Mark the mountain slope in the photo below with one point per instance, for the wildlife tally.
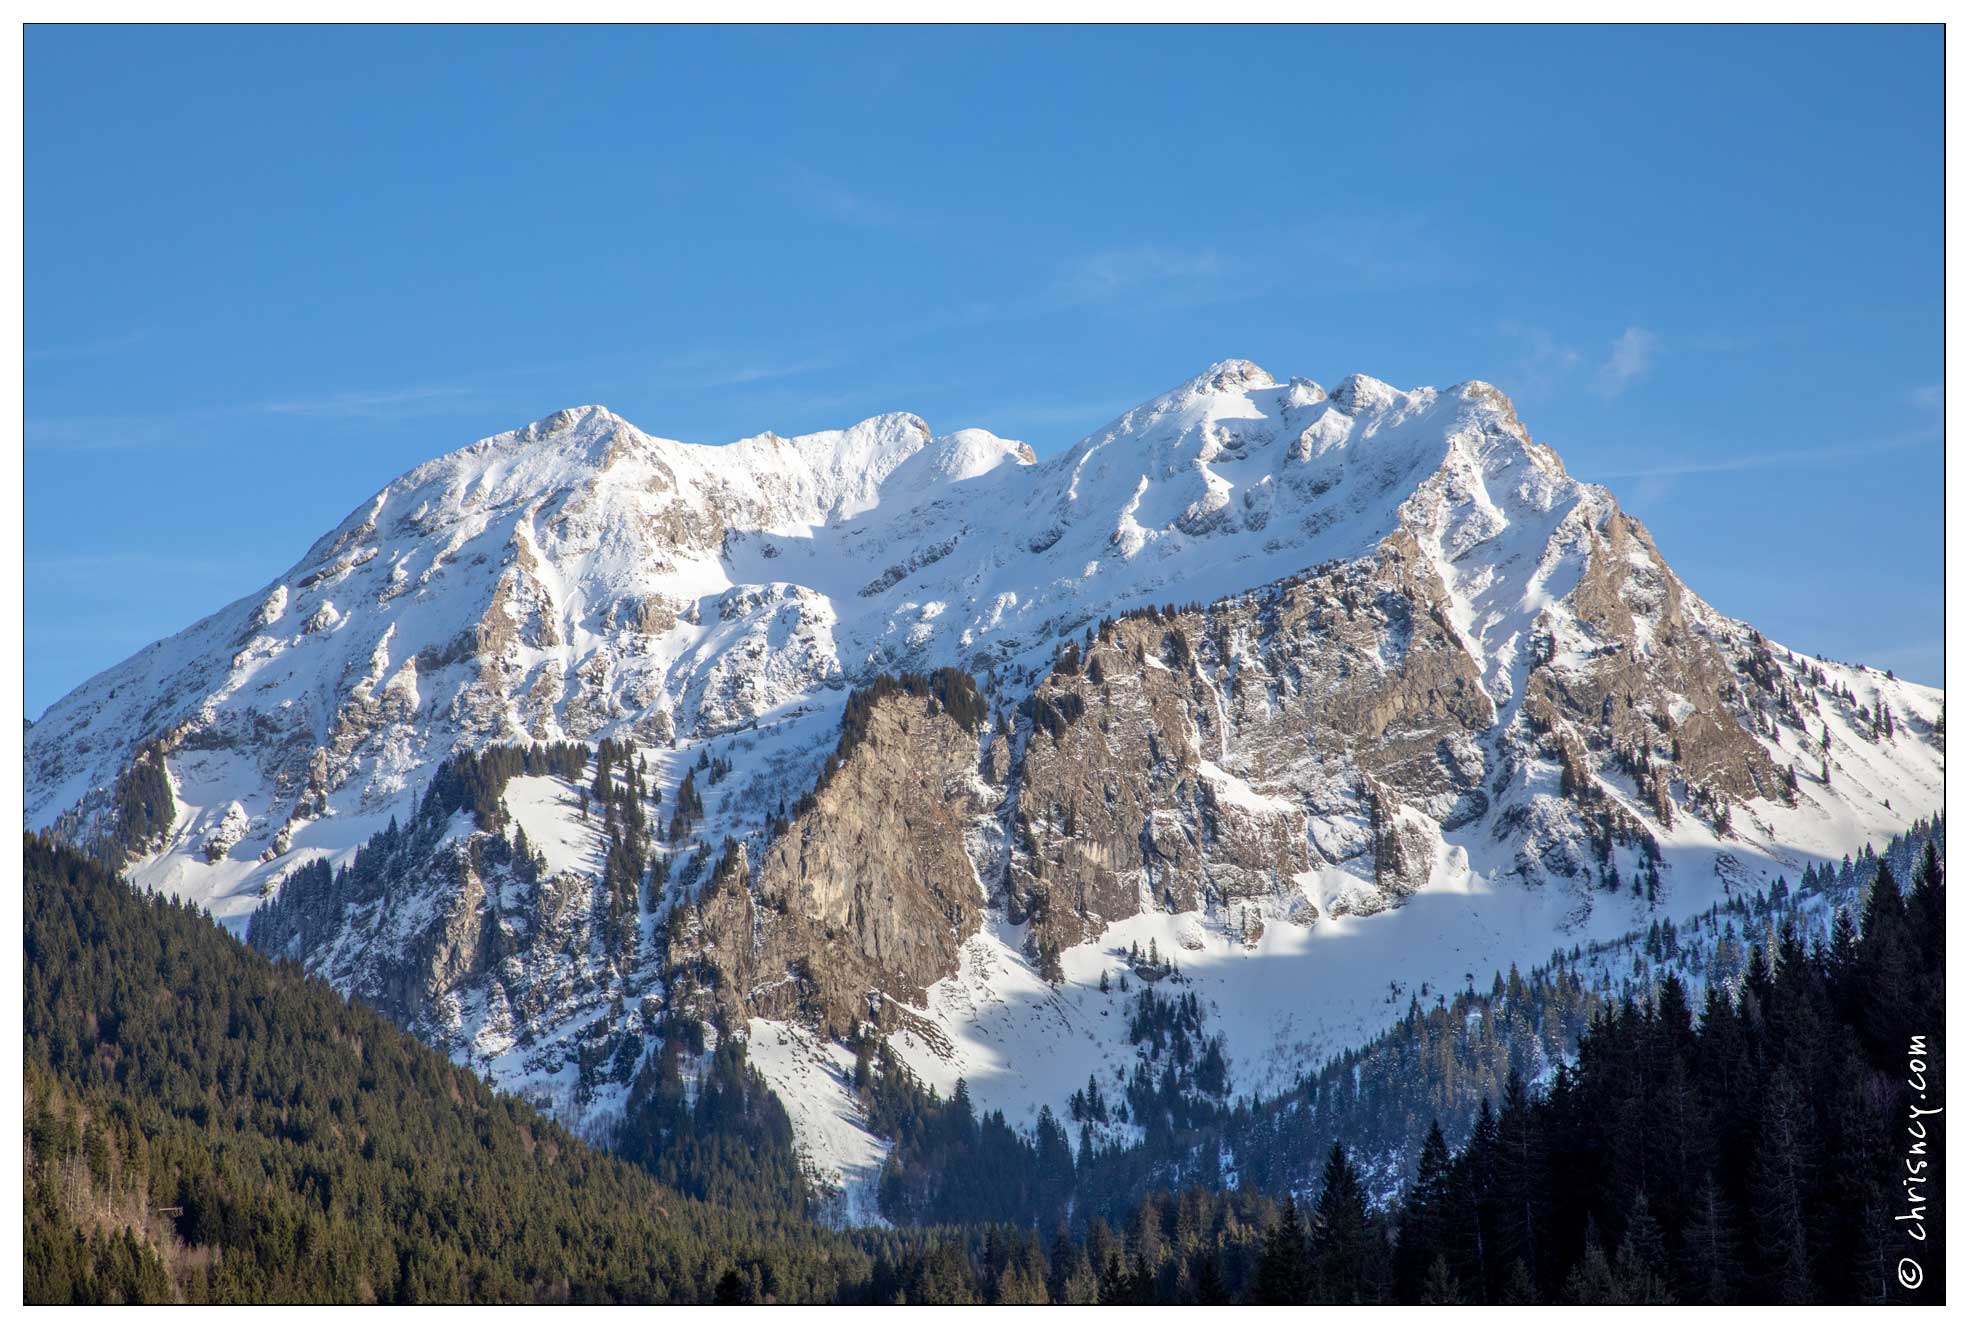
(1327, 696)
(238, 1132)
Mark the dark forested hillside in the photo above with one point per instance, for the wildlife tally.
(204, 1124)
(1759, 1150)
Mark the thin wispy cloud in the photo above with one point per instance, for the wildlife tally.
(1549, 362)
(1135, 275)
(742, 375)
(1067, 412)
(1112, 273)
(362, 405)
(107, 345)
(180, 428)
(722, 369)
(1774, 459)
(1356, 248)
(840, 202)
(102, 433)
(1632, 356)
(1359, 246)
(1546, 362)
(89, 568)
(1927, 397)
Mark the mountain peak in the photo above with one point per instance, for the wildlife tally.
(569, 419)
(1228, 376)
(1358, 392)
(861, 456)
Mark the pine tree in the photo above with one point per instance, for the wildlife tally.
(1470, 1223)
(1518, 1289)
(1778, 1187)
(1591, 1282)
(1887, 1001)
(1349, 1258)
(1424, 1235)
(1710, 1272)
(603, 789)
(1018, 1283)
(1926, 912)
(1284, 1265)
(1210, 1289)
(1519, 1179)
(1117, 1286)
(948, 1279)
(1439, 1288)
(1071, 1280)
(1641, 1265)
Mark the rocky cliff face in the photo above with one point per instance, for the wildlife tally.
(1233, 755)
(1213, 758)
(1282, 673)
(867, 893)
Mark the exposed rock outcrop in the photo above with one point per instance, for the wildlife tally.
(867, 891)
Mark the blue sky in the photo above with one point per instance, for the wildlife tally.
(269, 270)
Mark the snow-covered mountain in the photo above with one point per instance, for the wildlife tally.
(1326, 695)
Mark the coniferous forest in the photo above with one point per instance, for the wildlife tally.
(202, 1123)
